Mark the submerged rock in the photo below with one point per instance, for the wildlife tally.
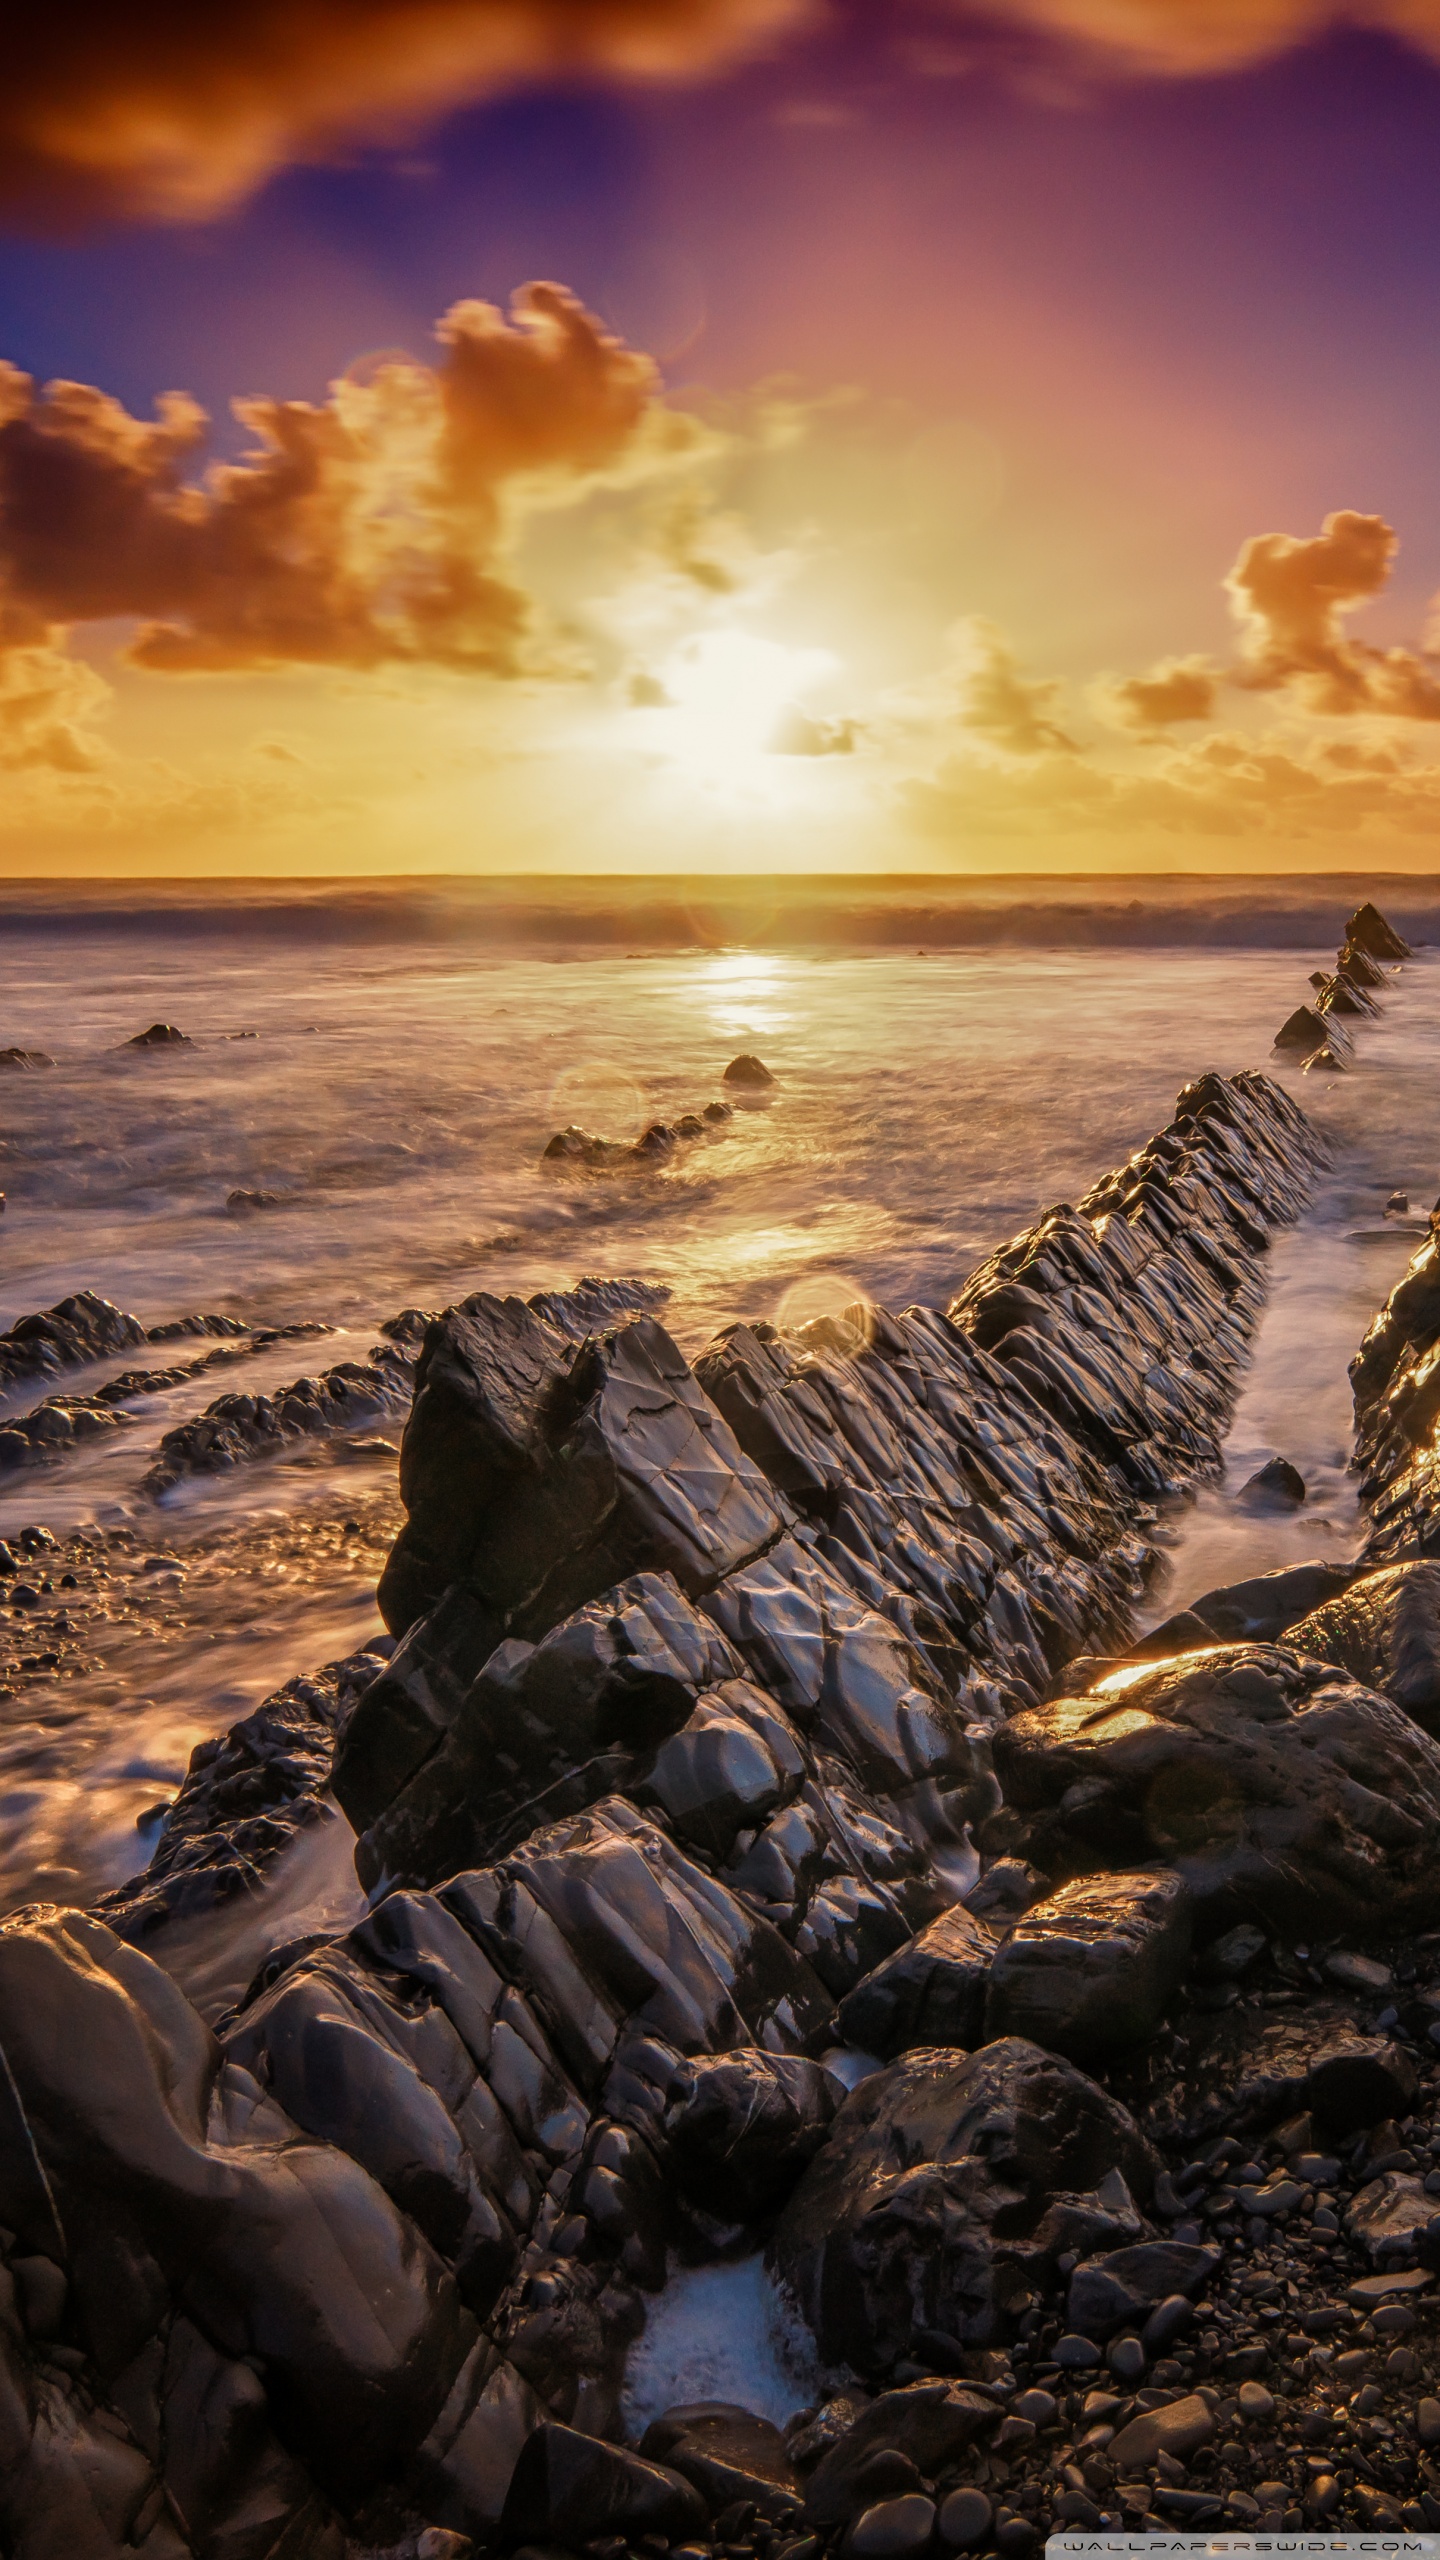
(1369, 932)
(748, 1071)
(25, 1059)
(1277, 1486)
(1259, 1610)
(161, 1035)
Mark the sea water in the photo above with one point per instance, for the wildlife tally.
(388, 1066)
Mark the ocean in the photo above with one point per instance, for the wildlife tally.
(384, 1064)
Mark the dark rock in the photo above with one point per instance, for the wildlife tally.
(572, 2489)
(1385, 1631)
(1248, 2072)
(931, 1992)
(1303, 1032)
(1275, 1786)
(1387, 2216)
(161, 1035)
(931, 2423)
(1258, 1611)
(1177, 2430)
(1369, 932)
(893, 2530)
(1185, 1632)
(965, 2518)
(948, 2188)
(1092, 1969)
(726, 2453)
(748, 1071)
(25, 1058)
(1277, 1486)
(741, 2126)
(1120, 2290)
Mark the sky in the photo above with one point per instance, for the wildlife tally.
(685, 435)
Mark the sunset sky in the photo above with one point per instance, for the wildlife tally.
(634, 435)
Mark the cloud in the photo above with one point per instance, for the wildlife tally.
(369, 530)
(1291, 597)
(48, 702)
(796, 733)
(1189, 37)
(1178, 689)
(167, 111)
(994, 700)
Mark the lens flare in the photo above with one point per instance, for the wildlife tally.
(600, 1098)
(828, 1309)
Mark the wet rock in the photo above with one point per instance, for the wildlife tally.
(573, 2489)
(161, 1035)
(1385, 1631)
(931, 1992)
(1249, 2071)
(1369, 932)
(1120, 2290)
(1276, 1787)
(893, 2529)
(25, 1059)
(74, 1331)
(1277, 1486)
(740, 2127)
(1260, 1610)
(1178, 2430)
(1303, 1032)
(238, 1430)
(748, 1071)
(727, 2453)
(928, 2423)
(1388, 2214)
(946, 2191)
(1091, 1970)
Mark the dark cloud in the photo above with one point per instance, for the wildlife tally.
(177, 109)
(363, 531)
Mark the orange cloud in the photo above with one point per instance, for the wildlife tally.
(47, 703)
(170, 111)
(1179, 37)
(996, 702)
(1178, 689)
(367, 530)
(1291, 598)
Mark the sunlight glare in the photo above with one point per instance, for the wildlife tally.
(727, 692)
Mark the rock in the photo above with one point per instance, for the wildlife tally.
(1386, 2215)
(893, 2530)
(161, 1035)
(965, 2518)
(1398, 1205)
(1227, 1957)
(930, 2423)
(25, 1059)
(1369, 2293)
(1361, 1973)
(1302, 1033)
(748, 1071)
(573, 2489)
(1178, 2430)
(1385, 1631)
(1090, 1970)
(1275, 1786)
(740, 2127)
(1120, 2290)
(1277, 1486)
(1369, 932)
(1185, 1632)
(727, 2453)
(948, 2188)
(1247, 2072)
(1260, 1610)
(1255, 2403)
(1427, 2421)
(931, 1992)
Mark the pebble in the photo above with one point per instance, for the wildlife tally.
(1127, 2360)
(894, 2528)
(1255, 2401)
(1427, 2421)
(1074, 2354)
(1040, 2407)
(966, 2514)
(1176, 2430)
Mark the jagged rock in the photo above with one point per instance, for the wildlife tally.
(1120, 2290)
(946, 2191)
(571, 2488)
(239, 1429)
(1092, 1970)
(74, 1331)
(931, 1992)
(728, 2454)
(740, 2127)
(1277, 1787)
(25, 1059)
(1277, 1486)
(1385, 1631)
(161, 1035)
(749, 1071)
(928, 2424)
(1368, 931)
(1258, 1611)
(1304, 1032)
(1387, 2216)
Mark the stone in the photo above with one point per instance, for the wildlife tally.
(1255, 2403)
(1368, 931)
(1387, 2214)
(1090, 1970)
(964, 2519)
(572, 2488)
(1178, 2431)
(892, 2530)
(1385, 1631)
(25, 1059)
(947, 2190)
(1263, 1608)
(1361, 1973)
(1369, 2292)
(1302, 1032)
(931, 2423)
(930, 1992)
(1273, 1784)
(161, 1035)
(1119, 2291)
(740, 2127)
(1277, 1486)
(1427, 2420)
(727, 2453)
(748, 1071)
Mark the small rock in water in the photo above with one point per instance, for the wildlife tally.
(748, 1071)
(1398, 1204)
(161, 1035)
(25, 1058)
(1277, 1486)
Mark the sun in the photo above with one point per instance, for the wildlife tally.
(725, 696)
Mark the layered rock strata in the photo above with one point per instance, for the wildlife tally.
(1318, 1036)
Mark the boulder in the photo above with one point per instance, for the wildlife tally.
(1092, 1969)
(1280, 1789)
(1385, 1631)
(1387, 2216)
(741, 2126)
(927, 2424)
(1120, 2290)
(948, 2188)
(1303, 1032)
(1245, 2072)
(1369, 931)
(1177, 2430)
(161, 1035)
(728, 2454)
(573, 2489)
(748, 1071)
(1258, 1611)
(25, 1059)
(1277, 1486)
(931, 1992)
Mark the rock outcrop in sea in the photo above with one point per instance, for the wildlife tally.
(748, 1723)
